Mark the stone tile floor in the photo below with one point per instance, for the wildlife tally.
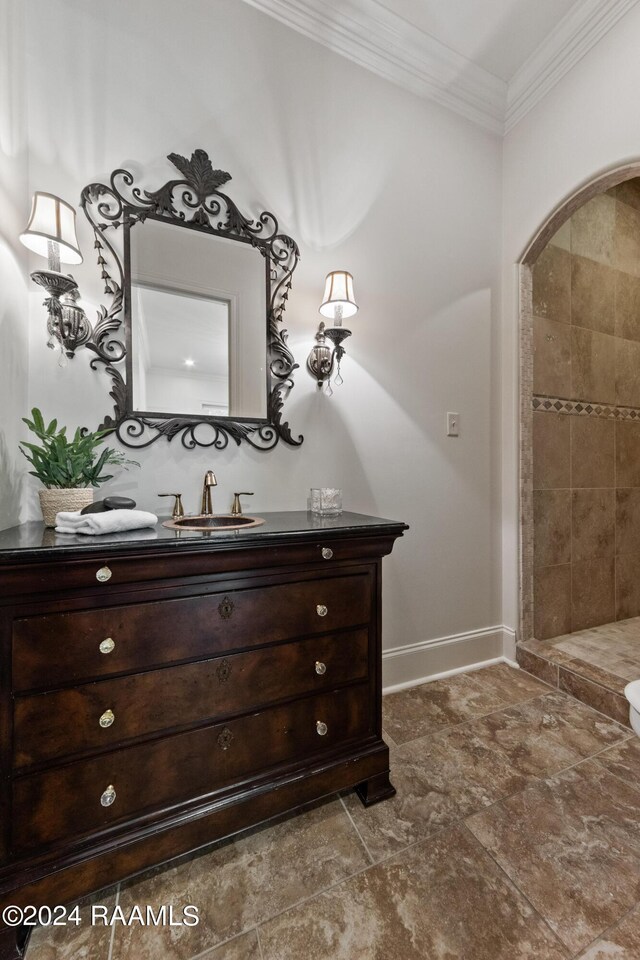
(515, 835)
(593, 665)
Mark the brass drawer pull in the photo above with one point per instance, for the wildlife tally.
(321, 668)
(107, 645)
(327, 553)
(107, 719)
(225, 739)
(103, 575)
(322, 610)
(108, 797)
(321, 728)
(225, 608)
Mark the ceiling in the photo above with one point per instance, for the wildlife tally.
(497, 35)
(489, 60)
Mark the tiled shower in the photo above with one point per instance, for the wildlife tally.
(586, 421)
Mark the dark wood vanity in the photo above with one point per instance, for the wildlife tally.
(162, 690)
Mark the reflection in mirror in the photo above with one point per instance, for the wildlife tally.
(198, 323)
(190, 376)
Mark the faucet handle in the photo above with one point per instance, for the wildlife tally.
(236, 509)
(178, 509)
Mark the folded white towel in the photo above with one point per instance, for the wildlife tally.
(111, 521)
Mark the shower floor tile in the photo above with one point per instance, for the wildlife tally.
(593, 665)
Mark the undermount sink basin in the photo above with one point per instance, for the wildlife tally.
(221, 522)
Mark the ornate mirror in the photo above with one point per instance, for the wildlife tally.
(191, 337)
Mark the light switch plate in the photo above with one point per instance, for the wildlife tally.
(453, 424)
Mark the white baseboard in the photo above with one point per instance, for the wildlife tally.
(404, 667)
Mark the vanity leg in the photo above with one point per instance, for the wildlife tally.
(376, 789)
(13, 942)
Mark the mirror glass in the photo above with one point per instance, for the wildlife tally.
(198, 308)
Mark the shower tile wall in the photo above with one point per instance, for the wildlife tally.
(586, 295)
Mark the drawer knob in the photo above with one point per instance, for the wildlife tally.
(327, 553)
(321, 728)
(321, 668)
(103, 575)
(322, 610)
(107, 645)
(108, 797)
(107, 719)
(225, 608)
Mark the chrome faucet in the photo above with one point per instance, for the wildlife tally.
(207, 505)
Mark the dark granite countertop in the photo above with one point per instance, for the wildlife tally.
(34, 540)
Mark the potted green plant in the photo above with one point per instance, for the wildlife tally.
(68, 468)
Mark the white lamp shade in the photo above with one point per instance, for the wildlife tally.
(338, 293)
(52, 221)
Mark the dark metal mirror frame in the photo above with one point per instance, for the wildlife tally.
(196, 202)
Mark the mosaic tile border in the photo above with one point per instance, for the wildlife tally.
(584, 408)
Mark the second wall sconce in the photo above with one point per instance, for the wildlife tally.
(51, 233)
(337, 305)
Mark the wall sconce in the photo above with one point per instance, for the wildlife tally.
(337, 305)
(51, 233)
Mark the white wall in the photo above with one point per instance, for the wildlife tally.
(13, 260)
(367, 178)
(587, 123)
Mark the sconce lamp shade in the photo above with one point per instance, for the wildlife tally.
(52, 221)
(338, 302)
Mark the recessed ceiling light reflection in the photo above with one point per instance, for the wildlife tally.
(189, 362)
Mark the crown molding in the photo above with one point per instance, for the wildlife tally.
(367, 33)
(578, 31)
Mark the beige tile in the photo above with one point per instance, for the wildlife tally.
(541, 668)
(71, 942)
(552, 284)
(552, 601)
(593, 524)
(551, 436)
(627, 586)
(600, 698)
(430, 707)
(439, 779)
(627, 453)
(442, 900)
(627, 373)
(592, 592)
(623, 760)
(605, 674)
(578, 860)
(593, 366)
(628, 520)
(244, 947)
(551, 357)
(543, 736)
(626, 256)
(627, 306)
(593, 287)
(620, 942)
(628, 192)
(592, 452)
(551, 527)
(592, 229)
(241, 883)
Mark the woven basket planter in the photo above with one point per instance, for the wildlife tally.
(63, 498)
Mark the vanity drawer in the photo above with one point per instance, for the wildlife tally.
(64, 648)
(95, 716)
(68, 801)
